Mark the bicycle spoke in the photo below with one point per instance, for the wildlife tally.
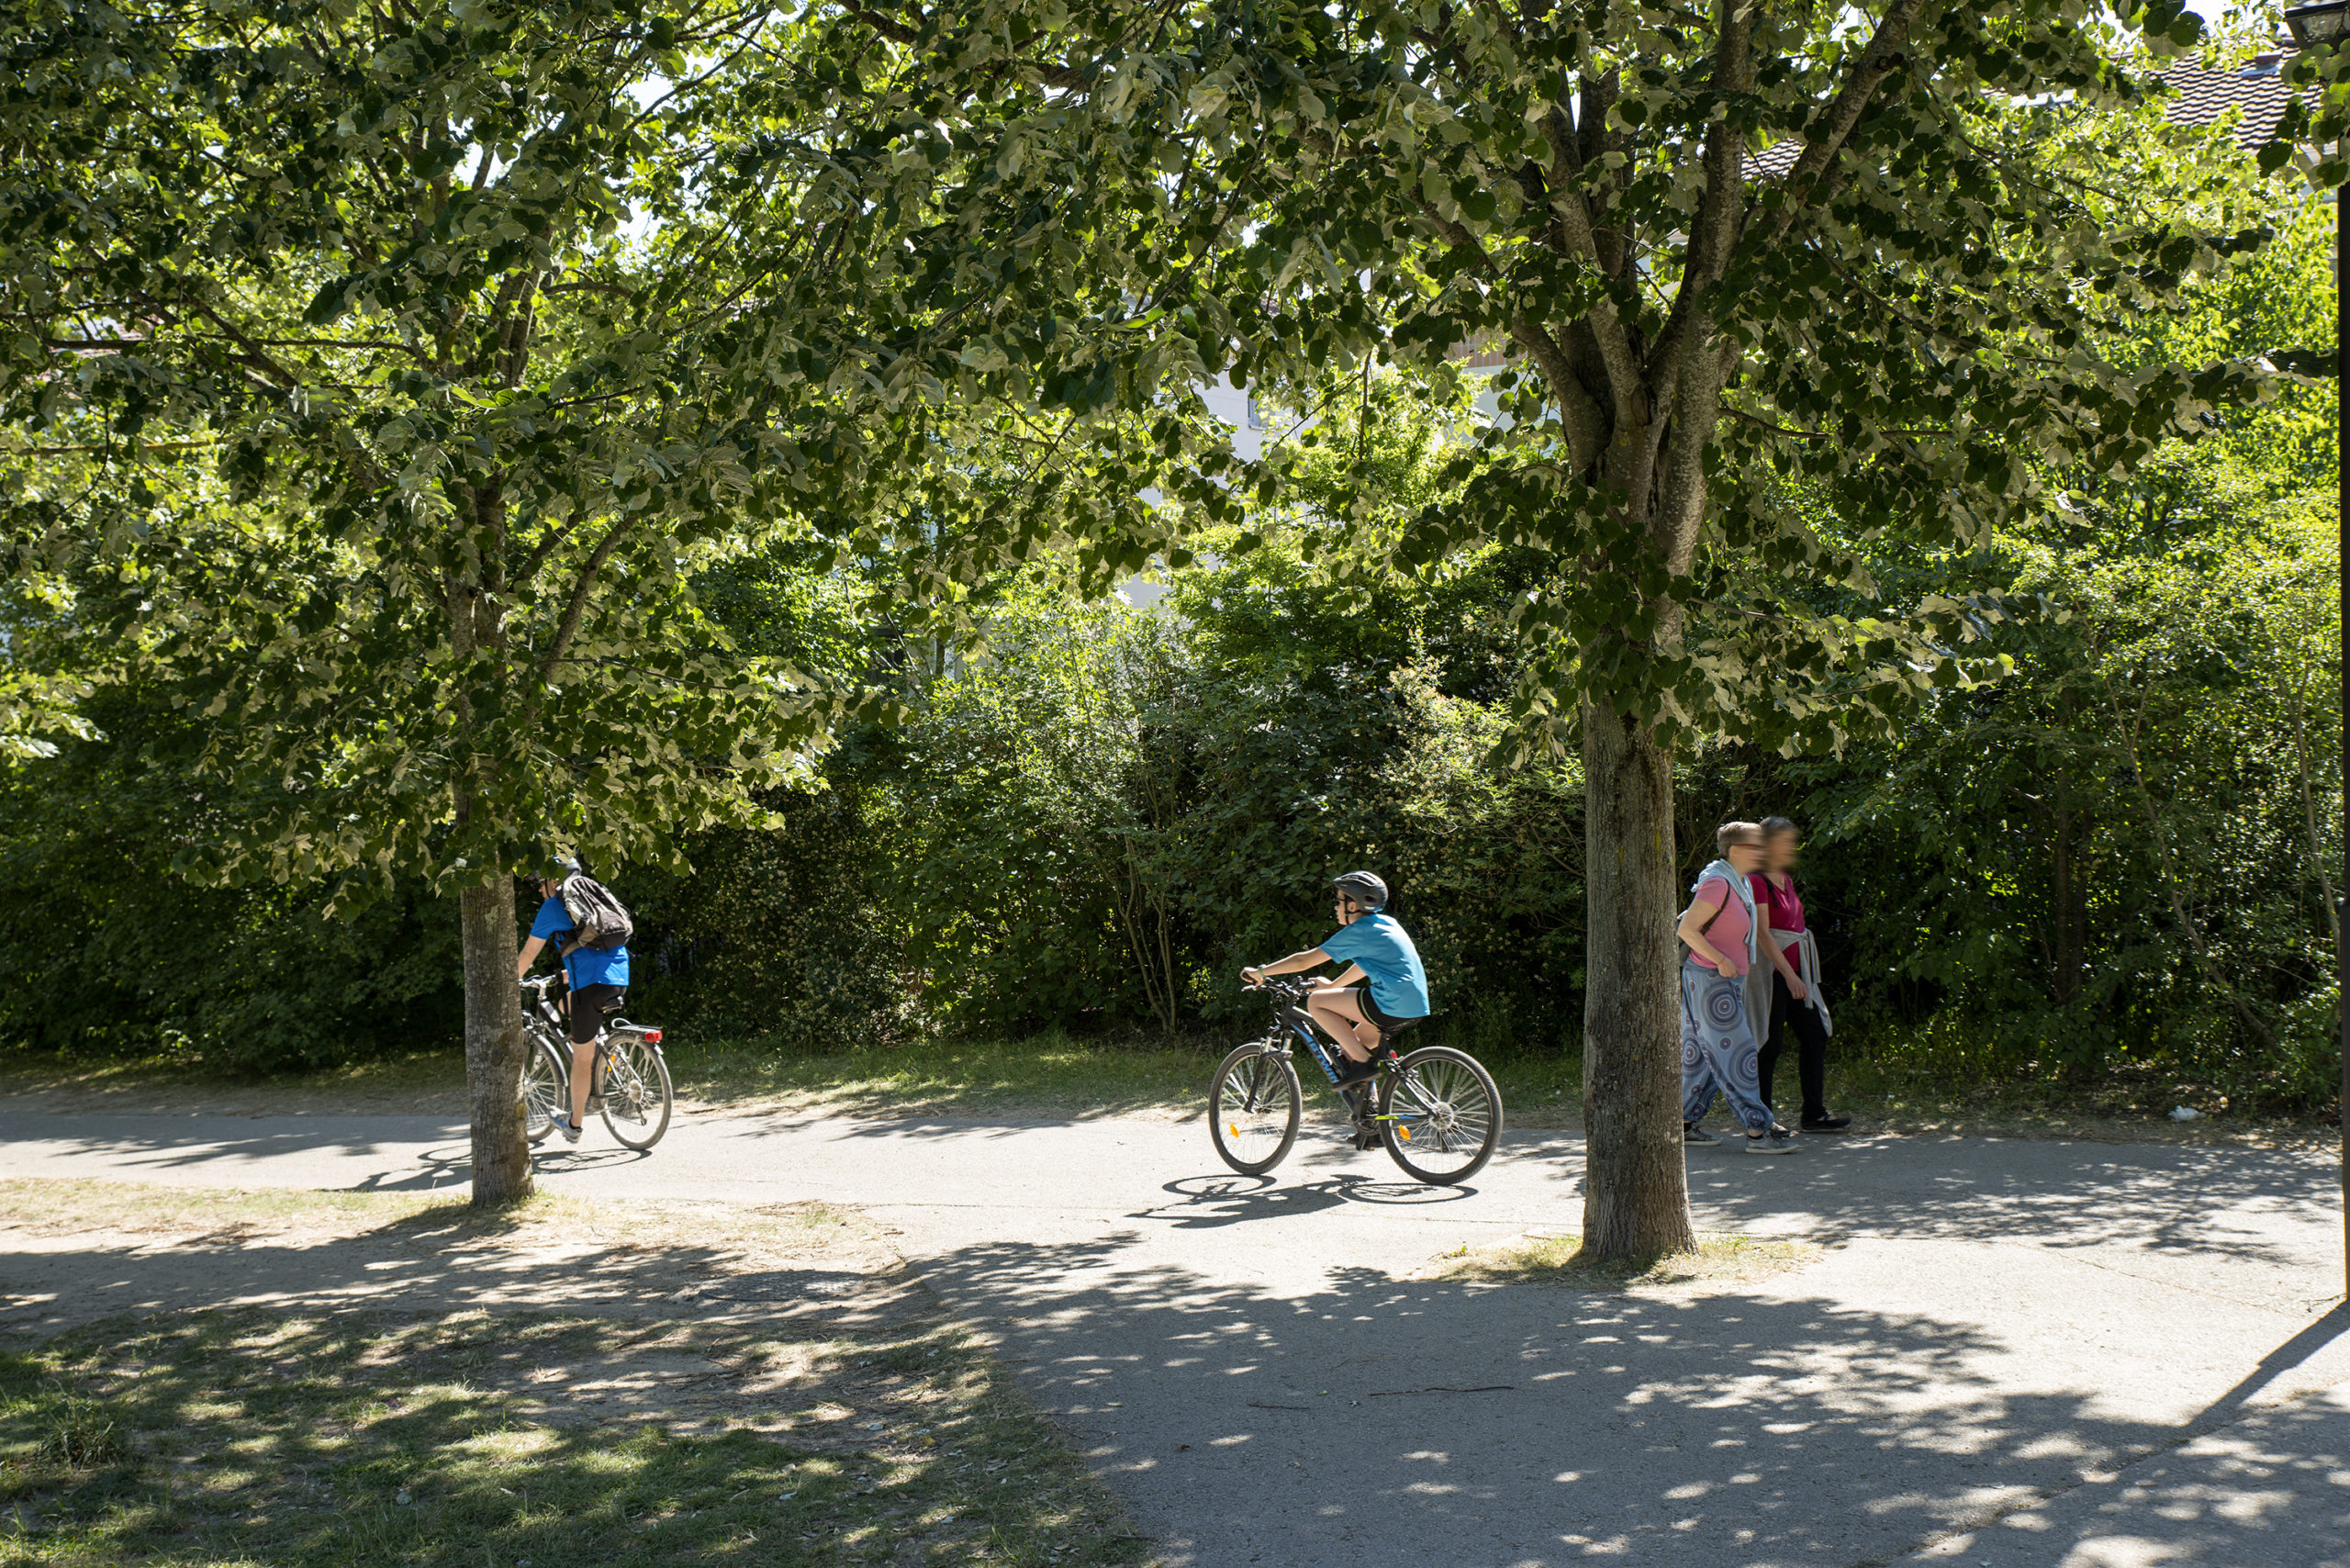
(1255, 1109)
(1442, 1117)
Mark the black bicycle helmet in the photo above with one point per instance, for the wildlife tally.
(1366, 889)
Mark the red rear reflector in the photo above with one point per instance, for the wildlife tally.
(654, 1035)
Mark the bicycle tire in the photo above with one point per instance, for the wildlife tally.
(1432, 1077)
(546, 1087)
(637, 1096)
(1271, 1072)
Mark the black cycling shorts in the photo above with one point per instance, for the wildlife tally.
(589, 1005)
(1373, 1015)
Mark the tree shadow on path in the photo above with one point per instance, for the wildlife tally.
(1789, 1423)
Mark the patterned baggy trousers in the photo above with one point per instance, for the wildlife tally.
(1718, 1048)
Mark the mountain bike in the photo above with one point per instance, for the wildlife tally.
(629, 1081)
(1436, 1110)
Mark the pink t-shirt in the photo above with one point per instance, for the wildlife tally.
(1727, 930)
(1780, 907)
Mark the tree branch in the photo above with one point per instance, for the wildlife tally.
(1885, 55)
(579, 605)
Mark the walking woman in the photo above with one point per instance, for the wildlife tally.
(1718, 1045)
(1795, 1002)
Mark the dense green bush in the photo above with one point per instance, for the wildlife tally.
(107, 952)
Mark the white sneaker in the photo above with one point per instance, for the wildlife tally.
(1770, 1143)
(563, 1125)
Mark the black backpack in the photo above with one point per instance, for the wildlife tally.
(600, 921)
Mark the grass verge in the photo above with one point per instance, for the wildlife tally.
(314, 1433)
(1560, 1261)
(1054, 1076)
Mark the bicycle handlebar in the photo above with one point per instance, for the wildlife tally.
(1284, 986)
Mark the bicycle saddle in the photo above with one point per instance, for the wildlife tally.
(1392, 1030)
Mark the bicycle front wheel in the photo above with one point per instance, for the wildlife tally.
(1439, 1115)
(1254, 1107)
(637, 1099)
(546, 1090)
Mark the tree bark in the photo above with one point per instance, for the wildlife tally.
(1636, 1179)
(494, 1045)
(494, 1039)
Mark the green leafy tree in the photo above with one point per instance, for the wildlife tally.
(1734, 254)
(394, 375)
(327, 336)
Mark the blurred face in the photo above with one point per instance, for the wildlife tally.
(1779, 851)
(1744, 857)
(1347, 910)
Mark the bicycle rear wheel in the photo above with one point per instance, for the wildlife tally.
(546, 1088)
(1254, 1107)
(637, 1097)
(1441, 1115)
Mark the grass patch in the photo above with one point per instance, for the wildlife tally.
(2128, 1102)
(1558, 1261)
(244, 1437)
(1054, 1076)
(365, 1437)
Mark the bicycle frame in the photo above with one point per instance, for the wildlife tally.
(1287, 1012)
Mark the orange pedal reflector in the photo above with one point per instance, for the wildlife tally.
(1236, 1129)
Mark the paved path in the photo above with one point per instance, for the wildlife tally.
(2014, 1353)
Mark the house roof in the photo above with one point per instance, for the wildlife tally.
(2258, 87)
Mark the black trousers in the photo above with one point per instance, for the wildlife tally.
(1811, 1042)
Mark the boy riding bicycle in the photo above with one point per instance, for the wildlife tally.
(1375, 947)
(596, 979)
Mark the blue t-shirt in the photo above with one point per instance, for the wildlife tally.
(1376, 943)
(587, 965)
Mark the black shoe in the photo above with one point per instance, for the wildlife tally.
(1354, 1072)
(1826, 1124)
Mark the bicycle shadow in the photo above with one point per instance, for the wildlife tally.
(1210, 1201)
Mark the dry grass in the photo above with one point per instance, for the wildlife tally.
(396, 1380)
(1719, 1260)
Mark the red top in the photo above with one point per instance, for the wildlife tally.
(1779, 907)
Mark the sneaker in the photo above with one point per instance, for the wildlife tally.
(1826, 1124)
(1692, 1133)
(1770, 1143)
(567, 1129)
(1354, 1072)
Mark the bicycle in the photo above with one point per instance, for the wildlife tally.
(629, 1078)
(1436, 1109)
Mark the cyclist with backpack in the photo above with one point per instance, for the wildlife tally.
(590, 930)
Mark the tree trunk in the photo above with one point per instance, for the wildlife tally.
(494, 1045)
(1636, 1181)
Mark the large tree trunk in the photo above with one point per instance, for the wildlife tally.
(494, 1039)
(494, 1045)
(1635, 1184)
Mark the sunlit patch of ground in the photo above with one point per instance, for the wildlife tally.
(563, 1383)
